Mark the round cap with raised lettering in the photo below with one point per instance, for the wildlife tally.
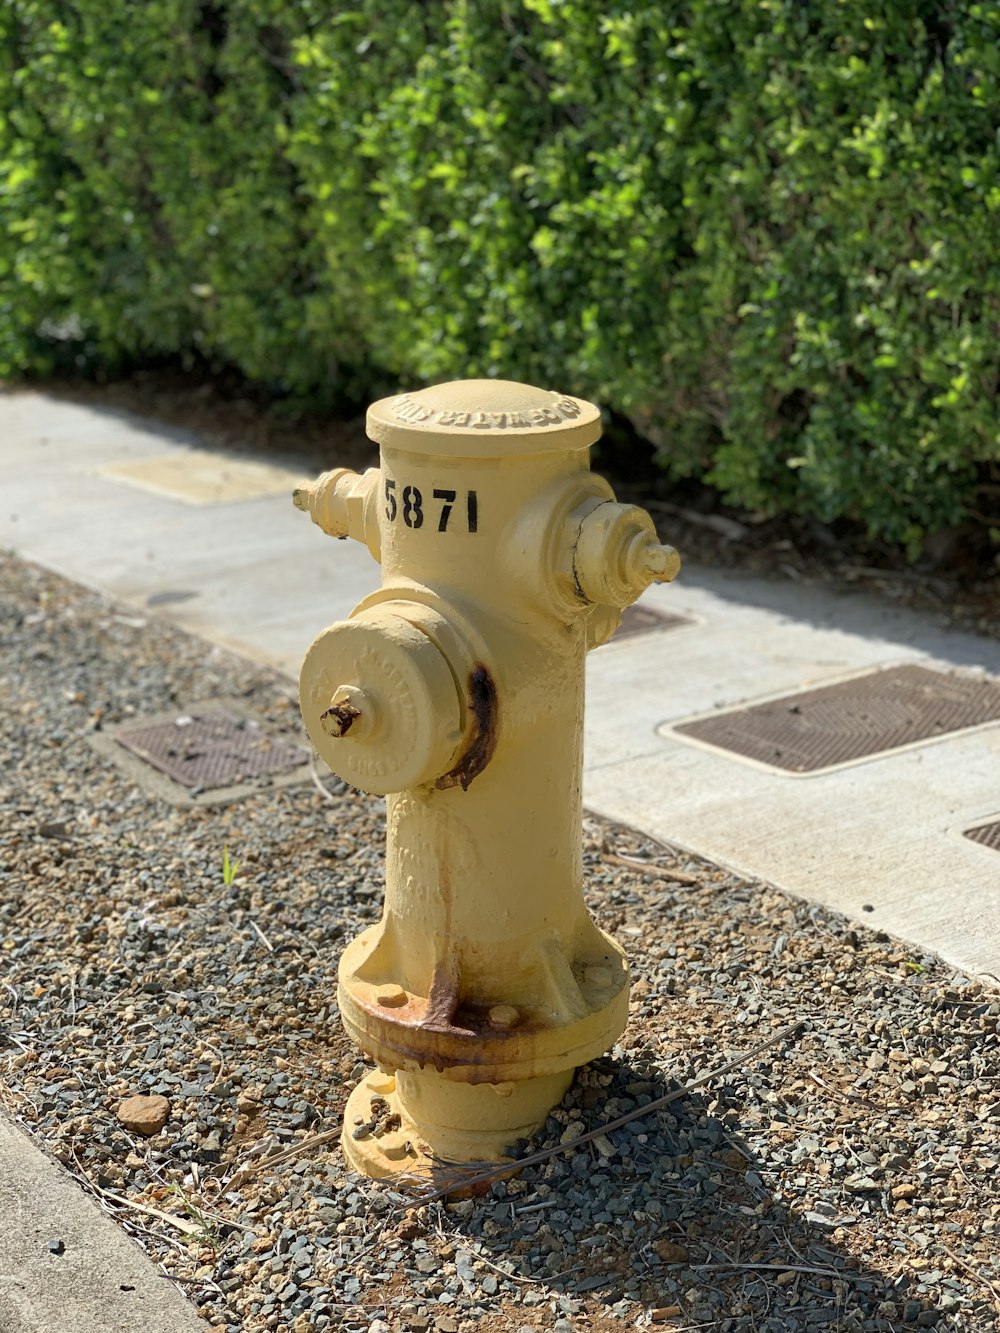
(379, 701)
(484, 419)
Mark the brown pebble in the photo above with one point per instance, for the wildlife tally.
(144, 1115)
(670, 1252)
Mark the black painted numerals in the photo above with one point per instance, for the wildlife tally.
(413, 507)
(448, 499)
(410, 506)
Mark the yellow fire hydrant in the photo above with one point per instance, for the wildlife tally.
(456, 690)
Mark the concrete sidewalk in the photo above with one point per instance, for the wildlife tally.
(64, 1264)
(212, 542)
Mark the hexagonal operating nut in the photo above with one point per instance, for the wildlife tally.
(647, 561)
(351, 711)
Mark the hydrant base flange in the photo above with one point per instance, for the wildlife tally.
(377, 1140)
(467, 1043)
(416, 1122)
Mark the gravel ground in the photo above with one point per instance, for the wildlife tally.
(843, 1180)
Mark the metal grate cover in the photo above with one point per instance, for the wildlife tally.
(218, 749)
(643, 620)
(987, 834)
(853, 719)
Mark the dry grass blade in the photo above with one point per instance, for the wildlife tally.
(260, 935)
(318, 782)
(185, 1224)
(463, 1180)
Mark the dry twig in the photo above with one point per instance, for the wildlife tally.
(245, 1172)
(974, 1272)
(649, 868)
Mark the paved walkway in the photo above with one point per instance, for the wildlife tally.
(212, 542)
(65, 1266)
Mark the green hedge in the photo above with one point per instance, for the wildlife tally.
(765, 230)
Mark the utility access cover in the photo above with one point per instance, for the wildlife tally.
(987, 834)
(216, 755)
(852, 719)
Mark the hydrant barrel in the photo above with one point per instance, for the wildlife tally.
(457, 690)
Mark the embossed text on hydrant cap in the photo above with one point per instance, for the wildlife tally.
(405, 408)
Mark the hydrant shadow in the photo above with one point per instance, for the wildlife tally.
(673, 1212)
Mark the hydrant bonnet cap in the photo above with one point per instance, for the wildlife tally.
(484, 419)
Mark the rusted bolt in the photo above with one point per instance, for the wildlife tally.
(391, 996)
(339, 718)
(504, 1016)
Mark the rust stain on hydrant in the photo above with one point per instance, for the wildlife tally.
(483, 715)
(456, 690)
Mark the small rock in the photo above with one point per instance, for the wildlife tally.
(57, 1246)
(144, 1115)
(53, 828)
(670, 1252)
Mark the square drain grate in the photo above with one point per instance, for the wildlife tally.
(216, 749)
(987, 834)
(853, 719)
(644, 620)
